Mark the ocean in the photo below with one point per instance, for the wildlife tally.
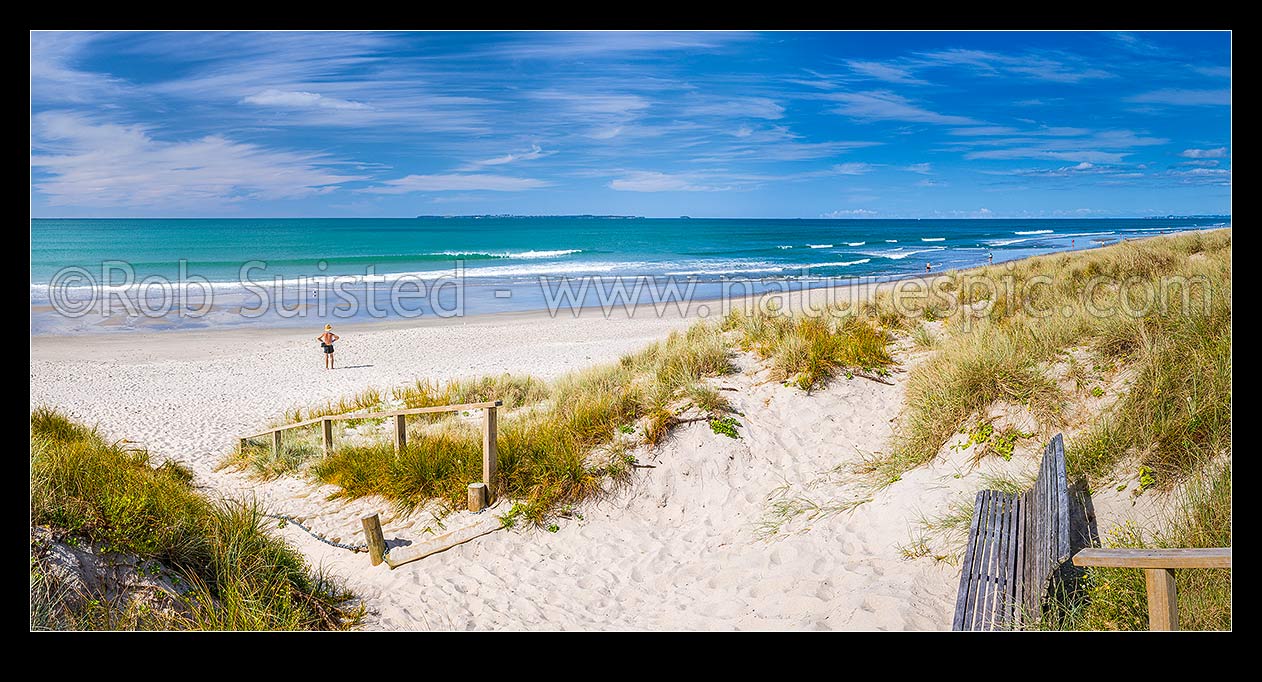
(504, 263)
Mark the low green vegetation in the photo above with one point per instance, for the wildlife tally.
(725, 426)
(1115, 598)
(90, 491)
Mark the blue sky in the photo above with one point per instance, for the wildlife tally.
(776, 124)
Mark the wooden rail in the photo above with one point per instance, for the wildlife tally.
(1158, 566)
(490, 432)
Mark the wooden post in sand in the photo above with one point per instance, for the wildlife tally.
(477, 497)
(276, 443)
(400, 432)
(326, 435)
(376, 541)
(241, 447)
(490, 453)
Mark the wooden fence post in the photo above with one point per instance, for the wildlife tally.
(477, 497)
(1163, 607)
(376, 541)
(400, 432)
(241, 447)
(326, 435)
(276, 443)
(490, 453)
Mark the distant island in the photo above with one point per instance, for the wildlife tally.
(513, 215)
(1188, 217)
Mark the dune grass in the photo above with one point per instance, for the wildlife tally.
(564, 441)
(998, 344)
(807, 351)
(1169, 335)
(100, 493)
(514, 391)
(567, 447)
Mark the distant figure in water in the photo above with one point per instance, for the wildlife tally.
(326, 342)
(928, 267)
(990, 258)
(1071, 243)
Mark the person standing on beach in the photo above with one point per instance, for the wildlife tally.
(326, 342)
(990, 258)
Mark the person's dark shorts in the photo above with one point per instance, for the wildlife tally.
(328, 348)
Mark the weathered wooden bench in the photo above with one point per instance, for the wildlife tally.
(1016, 543)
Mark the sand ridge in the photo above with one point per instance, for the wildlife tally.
(683, 547)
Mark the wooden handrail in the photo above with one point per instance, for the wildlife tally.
(1158, 566)
(485, 489)
(1213, 557)
(378, 415)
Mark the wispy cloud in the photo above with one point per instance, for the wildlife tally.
(746, 107)
(654, 181)
(851, 213)
(1134, 43)
(570, 45)
(883, 105)
(1077, 145)
(891, 73)
(854, 168)
(1215, 153)
(81, 162)
(1213, 71)
(449, 182)
(1057, 67)
(1183, 97)
(536, 152)
(921, 168)
(299, 100)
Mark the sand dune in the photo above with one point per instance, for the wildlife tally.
(685, 546)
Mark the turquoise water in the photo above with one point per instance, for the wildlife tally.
(513, 254)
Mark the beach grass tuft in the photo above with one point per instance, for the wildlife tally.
(112, 497)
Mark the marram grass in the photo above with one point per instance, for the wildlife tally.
(97, 492)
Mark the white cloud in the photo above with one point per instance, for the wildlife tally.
(300, 100)
(883, 105)
(885, 72)
(536, 152)
(745, 107)
(570, 45)
(851, 213)
(1057, 68)
(1185, 97)
(1215, 153)
(606, 133)
(1213, 71)
(653, 181)
(1087, 155)
(85, 163)
(447, 182)
(922, 168)
(855, 168)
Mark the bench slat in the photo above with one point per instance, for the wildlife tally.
(970, 552)
(1015, 546)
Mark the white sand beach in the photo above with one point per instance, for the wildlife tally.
(682, 547)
